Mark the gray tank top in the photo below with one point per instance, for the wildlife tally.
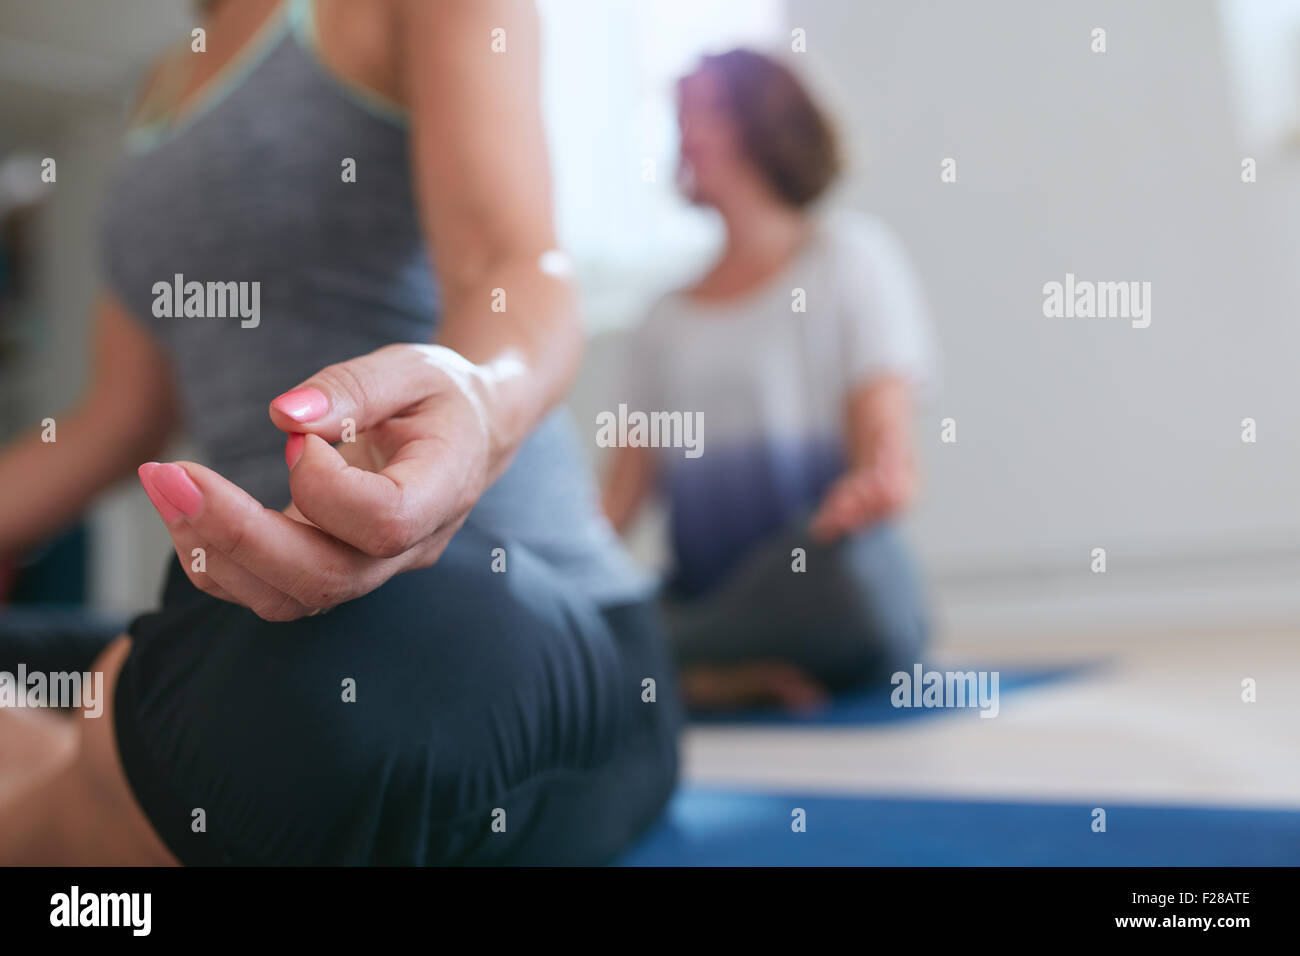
(247, 187)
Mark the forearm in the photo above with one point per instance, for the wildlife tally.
(621, 504)
(631, 480)
(48, 483)
(526, 352)
(879, 417)
(480, 163)
(125, 416)
(881, 474)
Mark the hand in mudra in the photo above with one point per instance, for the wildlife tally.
(362, 511)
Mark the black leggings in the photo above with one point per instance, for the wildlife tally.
(855, 614)
(455, 715)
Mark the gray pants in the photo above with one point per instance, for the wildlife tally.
(854, 615)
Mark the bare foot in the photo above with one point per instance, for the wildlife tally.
(753, 683)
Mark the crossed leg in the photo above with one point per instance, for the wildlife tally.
(69, 802)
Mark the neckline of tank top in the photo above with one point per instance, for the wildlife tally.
(290, 18)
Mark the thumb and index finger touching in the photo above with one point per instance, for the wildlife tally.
(381, 513)
(365, 390)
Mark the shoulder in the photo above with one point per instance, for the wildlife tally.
(868, 261)
(859, 240)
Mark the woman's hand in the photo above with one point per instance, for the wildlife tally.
(386, 502)
(867, 494)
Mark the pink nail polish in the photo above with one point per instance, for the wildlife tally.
(178, 488)
(293, 449)
(169, 514)
(303, 404)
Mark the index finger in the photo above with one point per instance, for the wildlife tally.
(302, 561)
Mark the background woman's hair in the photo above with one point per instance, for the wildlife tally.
(783, 130)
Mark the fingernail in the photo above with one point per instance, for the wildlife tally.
(303, 404)
(145, 471)
(293, 448)
(178, 488)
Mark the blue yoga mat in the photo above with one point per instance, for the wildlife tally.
(713, 827)
(874, 706)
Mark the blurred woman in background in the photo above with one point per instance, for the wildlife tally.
(802, 346)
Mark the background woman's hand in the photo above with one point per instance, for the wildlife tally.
(387, 502)
(865, 495)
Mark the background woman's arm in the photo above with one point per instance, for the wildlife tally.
(631, 481)
(882, 477)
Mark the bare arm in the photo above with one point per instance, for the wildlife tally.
(125, 416)
(882, 477)
(483, 179)
(631, 481)
(879, 414)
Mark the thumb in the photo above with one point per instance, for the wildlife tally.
(362, 391)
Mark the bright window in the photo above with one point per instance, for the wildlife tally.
(609, 71)
(1262, 47)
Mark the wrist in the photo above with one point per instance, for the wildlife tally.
(492, 390)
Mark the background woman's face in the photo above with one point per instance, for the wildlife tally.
(711, 153)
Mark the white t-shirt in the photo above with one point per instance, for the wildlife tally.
(769, 374)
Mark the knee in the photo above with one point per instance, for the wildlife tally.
(490, 673)
(878, 600)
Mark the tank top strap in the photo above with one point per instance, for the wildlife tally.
(302, 18)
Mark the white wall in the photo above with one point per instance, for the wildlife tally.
(1075, 434)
